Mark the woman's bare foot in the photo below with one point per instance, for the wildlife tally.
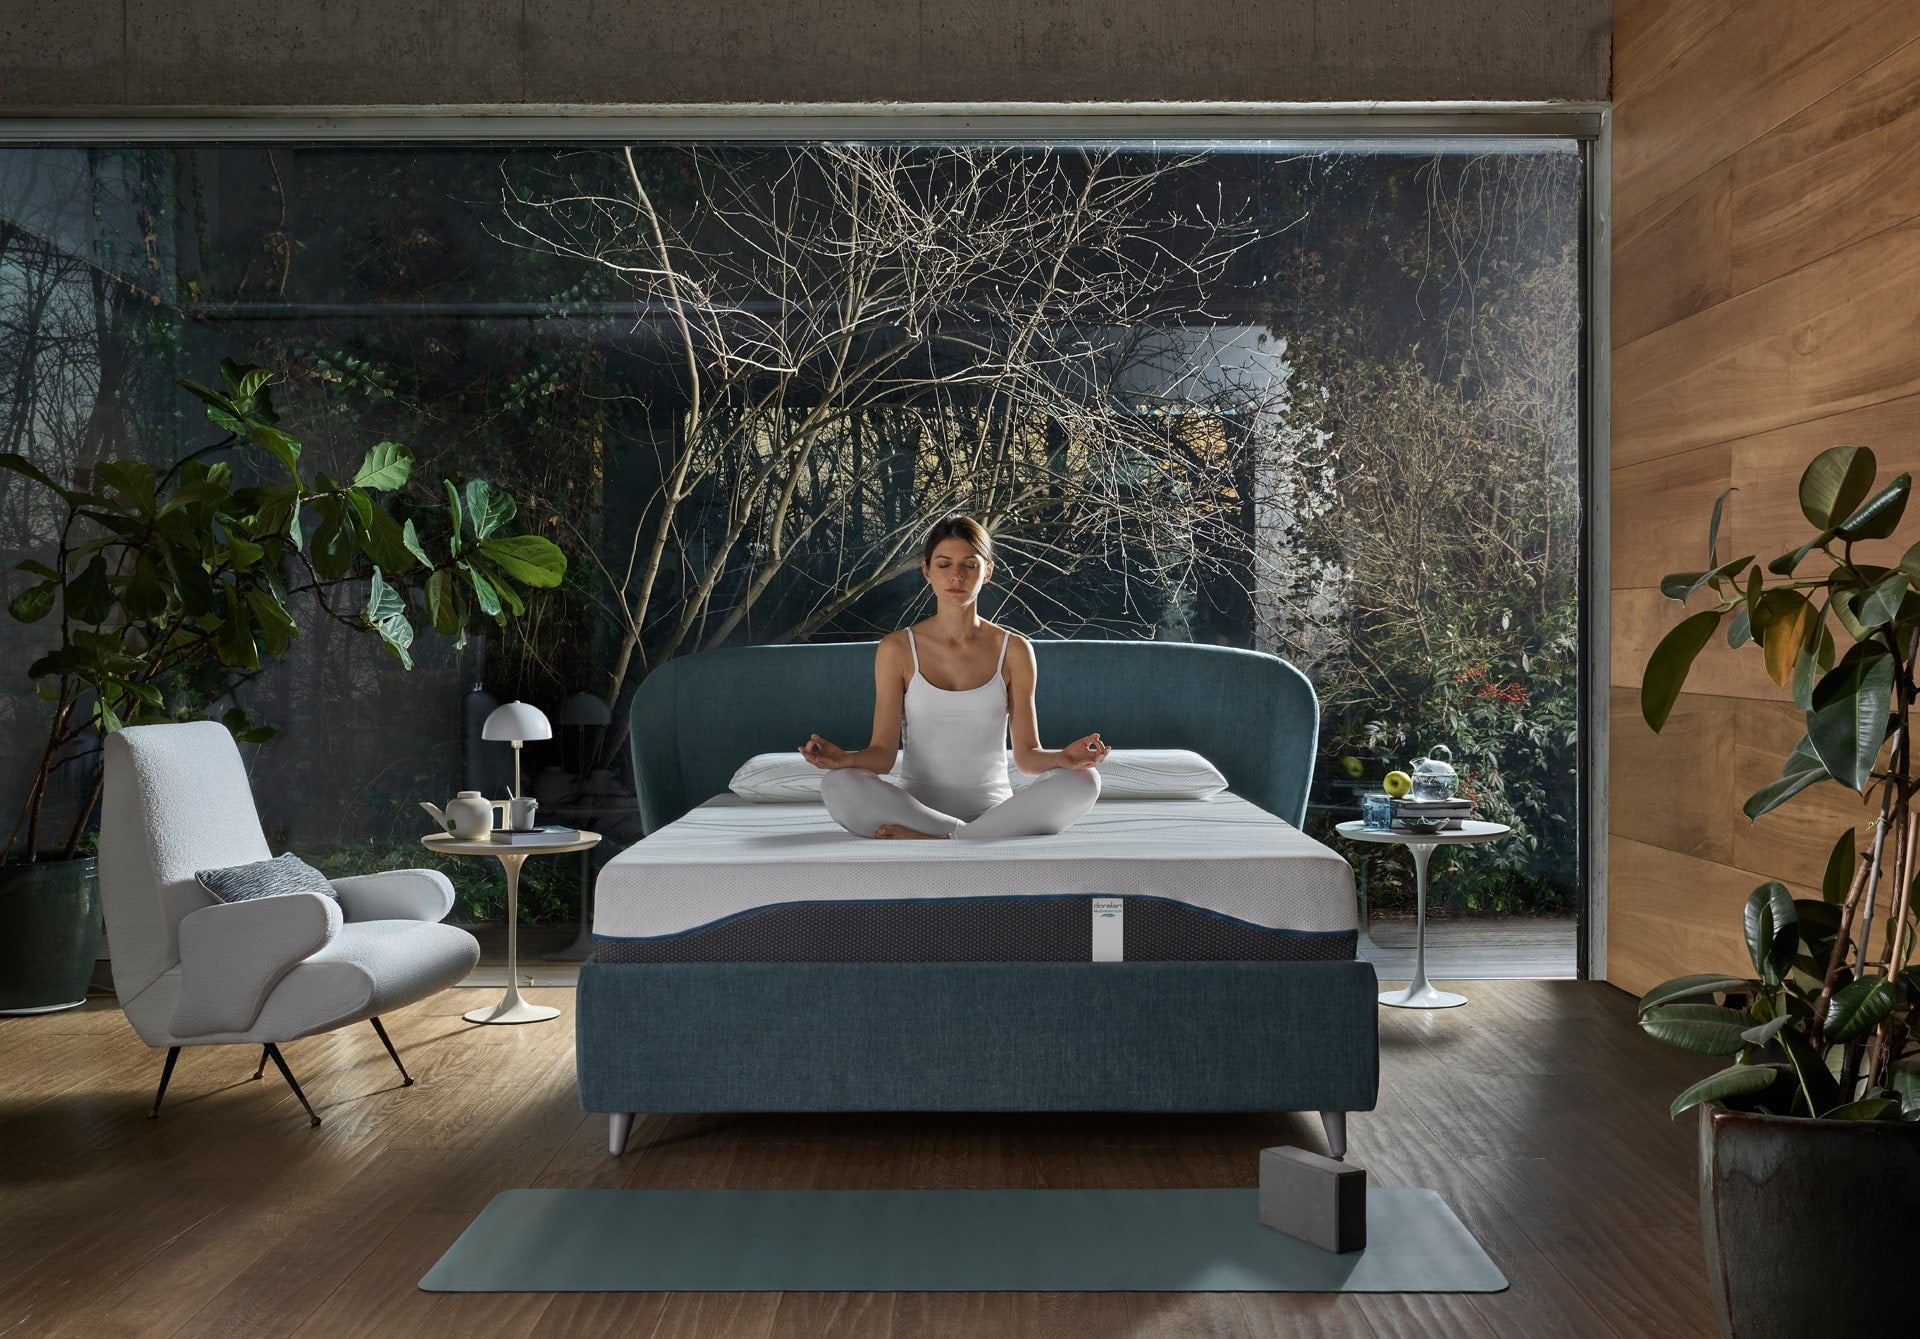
(900, 831)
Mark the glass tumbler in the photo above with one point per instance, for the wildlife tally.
(1376, 809)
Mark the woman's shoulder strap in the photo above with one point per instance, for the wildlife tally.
(1001, 664)
(914, 647)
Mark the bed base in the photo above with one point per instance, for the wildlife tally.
(978, 1036)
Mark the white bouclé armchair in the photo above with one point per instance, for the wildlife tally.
(193, 971)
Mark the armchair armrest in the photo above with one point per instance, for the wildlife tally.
(395, 895)
(233, 954)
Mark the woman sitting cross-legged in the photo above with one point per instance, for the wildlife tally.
(948, 688)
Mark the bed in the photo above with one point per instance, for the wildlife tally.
(750, 957)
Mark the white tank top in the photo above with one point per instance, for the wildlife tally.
(954, 742)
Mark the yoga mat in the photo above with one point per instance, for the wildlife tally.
(945, 1241)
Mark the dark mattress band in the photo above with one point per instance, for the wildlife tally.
(977, 929)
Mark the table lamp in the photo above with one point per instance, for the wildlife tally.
(515, 722)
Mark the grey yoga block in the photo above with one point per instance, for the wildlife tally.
(1318, 1200)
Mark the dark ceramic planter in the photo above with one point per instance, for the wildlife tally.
(49, 934)
(1808, 1223)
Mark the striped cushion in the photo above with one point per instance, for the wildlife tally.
(264, 878)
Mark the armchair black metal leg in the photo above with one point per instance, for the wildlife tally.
(261, 1068)
(273, 1054)
(166, 1072)
(406, 1078)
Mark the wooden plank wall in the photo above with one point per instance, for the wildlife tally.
(1765, 298)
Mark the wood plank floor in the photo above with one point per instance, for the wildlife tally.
(1538, 1111)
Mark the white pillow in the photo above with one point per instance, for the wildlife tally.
(1127, 774)
(1159, 774)
(780, 778)
(1149, 774)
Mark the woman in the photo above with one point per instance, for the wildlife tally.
(948, 687)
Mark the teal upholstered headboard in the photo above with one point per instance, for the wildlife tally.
(697, 718)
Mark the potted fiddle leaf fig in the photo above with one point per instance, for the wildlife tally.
(167, 589)
(1810, 1135)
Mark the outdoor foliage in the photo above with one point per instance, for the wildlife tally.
(1824, 1029)
(171, 589)
(1322, 404)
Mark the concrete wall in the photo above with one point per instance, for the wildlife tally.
(131, 54)
(1766, 268)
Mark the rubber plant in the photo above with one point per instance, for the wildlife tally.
(172, 588)
(1822, 1028)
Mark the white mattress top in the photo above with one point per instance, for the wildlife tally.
(728, 856)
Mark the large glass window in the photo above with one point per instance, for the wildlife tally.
(1320, 403)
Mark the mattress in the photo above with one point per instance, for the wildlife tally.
(1135, 879)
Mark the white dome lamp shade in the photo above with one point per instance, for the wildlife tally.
(516, 722)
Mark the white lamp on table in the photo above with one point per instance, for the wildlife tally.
(517, 722)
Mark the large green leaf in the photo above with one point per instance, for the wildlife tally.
(533, 561)
(1683, 586)
(1882, 603)
(1905, 1080)
(145, 595)
(386, 614)
(1733, 1081)
(331, 549)
(1879, 515)
(1867, 1108)
(1803, 768)
(276, 626)
(35, 602)
(131, 479)
(1835, 483)
(487, 508)
(1817, 1084)
(1692, 987)
(411, 538)
(73, 497)
(1858, 1008)
(1704, 1029)
(1842, 861)
(442, 609)
(90, 595)
(455, 540)
(1784, 565)
(1850, 722)
(1713, 527)
(234, 642)
(283, 447)
(1772, 930)
(384, 540)
(388, 466)
(483, 593)
(1665, 676)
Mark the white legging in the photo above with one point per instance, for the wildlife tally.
(861, 802)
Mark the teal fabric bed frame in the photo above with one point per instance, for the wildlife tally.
(1136, 1036)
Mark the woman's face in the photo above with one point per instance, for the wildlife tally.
(956, 572)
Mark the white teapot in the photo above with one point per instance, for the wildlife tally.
(468, 815)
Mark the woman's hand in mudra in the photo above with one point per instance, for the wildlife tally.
(1084, 753)
(823, 753)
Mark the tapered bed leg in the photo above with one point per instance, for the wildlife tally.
(166, 1072)
(273, 1054)
(406, 1078)
(619, 1125)
(1336, 1127)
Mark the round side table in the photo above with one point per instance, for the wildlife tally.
(1419, 993)
(511, 1009)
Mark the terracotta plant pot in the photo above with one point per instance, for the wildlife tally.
(1808, 1222)
(49, 934)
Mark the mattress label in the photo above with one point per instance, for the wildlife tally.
(1109, 929)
